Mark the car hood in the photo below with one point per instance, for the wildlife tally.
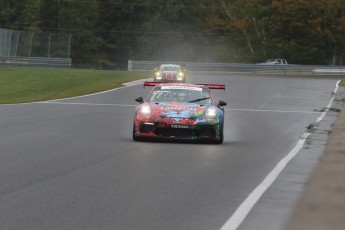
(173, 112)
(169, 71)
(178, 110)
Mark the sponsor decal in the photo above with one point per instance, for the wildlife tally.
(178, 108)
(160, 91)
(181, 87)
(176, 121)
(179, 126)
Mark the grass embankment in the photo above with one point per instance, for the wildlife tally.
(29, 84)
(342, 83)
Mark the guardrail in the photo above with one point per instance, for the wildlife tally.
(36, 61)
(242, 68)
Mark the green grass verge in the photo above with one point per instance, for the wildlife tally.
(29, 84)
(342, 83)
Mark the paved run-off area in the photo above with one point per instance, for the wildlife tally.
(322, 204)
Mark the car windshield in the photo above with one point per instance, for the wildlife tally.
(170, 68)
(188, 94)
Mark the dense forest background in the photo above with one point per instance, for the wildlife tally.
(107, 33)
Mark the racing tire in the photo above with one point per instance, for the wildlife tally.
(135, 138)
(221, 136)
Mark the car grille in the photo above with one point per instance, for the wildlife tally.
(201, 131)
(169, 132)
(206, 131)
(147, 127)
(159, 129)
(169, 76)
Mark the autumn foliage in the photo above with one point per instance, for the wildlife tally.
(110, 32)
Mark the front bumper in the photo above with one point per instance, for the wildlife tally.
(174, 80)
(169, 78)
(159, 130)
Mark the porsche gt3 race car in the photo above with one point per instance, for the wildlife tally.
(180, 111)
(169, 73)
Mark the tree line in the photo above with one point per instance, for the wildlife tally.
(109, 32)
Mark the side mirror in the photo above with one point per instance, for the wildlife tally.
(139, 99)
(221, 103)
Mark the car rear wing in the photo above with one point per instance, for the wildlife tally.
(214, 86)
(210, 86)
(151, 83)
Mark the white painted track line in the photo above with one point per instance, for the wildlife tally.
(77, 103)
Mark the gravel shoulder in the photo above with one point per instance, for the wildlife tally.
(322, 203)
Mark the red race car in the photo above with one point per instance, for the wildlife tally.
(180, 111)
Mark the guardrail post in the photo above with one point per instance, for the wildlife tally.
(69, 46)
(17, 42)
(32, 37)
(2, 46)
(49, 37)
(130, 65)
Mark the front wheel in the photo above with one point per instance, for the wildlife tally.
(135, 138)
(221, 136)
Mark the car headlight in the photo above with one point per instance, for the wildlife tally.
(211, 112)
(180, 74)
(145, 110)
(158, 75)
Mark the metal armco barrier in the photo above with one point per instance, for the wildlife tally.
(36, 61)
(242, 68)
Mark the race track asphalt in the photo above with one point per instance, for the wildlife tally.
(72, 164)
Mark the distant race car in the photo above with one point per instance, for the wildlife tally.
(170, 73)
(278, 61)
(180, 111)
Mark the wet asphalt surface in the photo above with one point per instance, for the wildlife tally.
(72, 164)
